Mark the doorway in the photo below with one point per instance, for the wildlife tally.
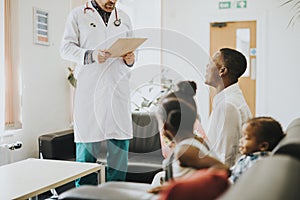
(241, 36)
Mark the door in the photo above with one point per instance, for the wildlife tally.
(240, 36)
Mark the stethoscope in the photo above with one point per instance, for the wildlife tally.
(117, 21)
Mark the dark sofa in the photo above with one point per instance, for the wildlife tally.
(145, 156)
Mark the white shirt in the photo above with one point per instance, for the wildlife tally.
(102, 97)
(178, 170)
(230, 111)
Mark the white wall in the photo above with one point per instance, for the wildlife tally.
(283, 81)
(277, 64)
(146, 20)
(45, 91)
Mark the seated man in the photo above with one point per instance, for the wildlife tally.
(229, 108)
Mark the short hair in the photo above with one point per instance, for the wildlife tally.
(267, 129)
(178, 109)
(234, 61)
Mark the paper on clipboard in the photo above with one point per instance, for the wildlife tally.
(125, 45)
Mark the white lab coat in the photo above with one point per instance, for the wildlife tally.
(102, 97)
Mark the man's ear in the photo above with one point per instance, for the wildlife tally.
(264, 146)
(223, 71)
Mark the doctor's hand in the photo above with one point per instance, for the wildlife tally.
(100, 56)
(129, 59)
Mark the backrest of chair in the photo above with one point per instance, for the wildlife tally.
(146, 136)
(290, 144)
(57, 145)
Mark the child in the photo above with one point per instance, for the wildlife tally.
(260, 136)
(176, 117)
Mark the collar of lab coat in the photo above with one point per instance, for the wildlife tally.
(97, 16)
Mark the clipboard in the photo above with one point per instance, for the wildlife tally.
(123, 46)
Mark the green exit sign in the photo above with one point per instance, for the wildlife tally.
(224, 5)
(241, 4)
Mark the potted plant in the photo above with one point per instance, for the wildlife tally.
(146, 97)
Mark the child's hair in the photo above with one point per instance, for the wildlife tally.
(178, 109)
(267, 129)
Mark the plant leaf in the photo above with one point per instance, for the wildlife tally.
(287, 2)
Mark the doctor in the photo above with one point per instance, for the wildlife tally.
(101, 102)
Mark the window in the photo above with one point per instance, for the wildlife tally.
(11, 97)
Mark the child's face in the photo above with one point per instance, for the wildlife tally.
(248, 143)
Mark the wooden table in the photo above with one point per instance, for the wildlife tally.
(31, 177)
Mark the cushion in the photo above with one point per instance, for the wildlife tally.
(276, 178)
(204, 184)
(290, 144)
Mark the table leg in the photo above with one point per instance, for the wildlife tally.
(34, 198)
(101, 174)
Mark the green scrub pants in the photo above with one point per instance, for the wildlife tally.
(117, 160)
